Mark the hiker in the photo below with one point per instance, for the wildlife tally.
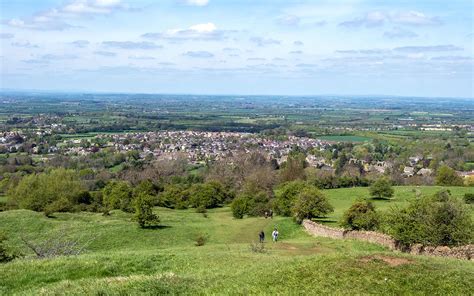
(271, 214)
(275, 235)
(266, 214)
(261, 236)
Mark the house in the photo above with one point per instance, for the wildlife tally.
(424, 172)
(408, 171)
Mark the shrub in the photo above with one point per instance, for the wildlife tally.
(437, 220)
(175, 196)
(239, 207)
(469, 198)
(285, 196)
(250, 204)
(118, 195)
(360, 216)
(60, 244)
(446, 176)
(311, 203)
(258, 248)
(208, 195)
(36, 192)
(5, 254)
(200, 240)
(381, 189)
(144, 215)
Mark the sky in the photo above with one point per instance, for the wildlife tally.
(312, 47)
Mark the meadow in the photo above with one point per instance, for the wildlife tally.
(123, 259)
(343, 198)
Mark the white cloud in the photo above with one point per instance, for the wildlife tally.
(289, 20)
(138, 57)
(432, 48)
(196, 2)
(414, 18)
(398, 32)
(206, 31)
(198, 54)
(6, 36)
(371, 19)
(379, 18)
(131, 45)
(260, 41)
(25, 44)
(105, 53)
(55, 19)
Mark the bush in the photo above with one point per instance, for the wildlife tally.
(446, 176)
(250, 204)
(469, 198)
(258, 248)
(58, 188)
(118, 195)
(175, 196)
(360, 216)
(437, 220)
(5, 254)
(285, 196)
(311, 203)
(381, 189)
(200, 240)
(239, 207)
(208, 195)
(144, 215)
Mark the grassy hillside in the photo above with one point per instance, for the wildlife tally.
(124, 259)
(343, 198)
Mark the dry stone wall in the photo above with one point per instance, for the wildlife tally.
(316, 229)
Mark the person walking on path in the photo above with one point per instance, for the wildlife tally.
(261, 236)
(275, 235)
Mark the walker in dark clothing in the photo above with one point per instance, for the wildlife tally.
(261, 236)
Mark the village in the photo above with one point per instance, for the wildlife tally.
(199, 147)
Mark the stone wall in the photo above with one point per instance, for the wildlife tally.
(316, 229)
(321, 230)
(462, 252)
(372, 237)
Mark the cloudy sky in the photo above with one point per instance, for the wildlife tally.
(404, 47)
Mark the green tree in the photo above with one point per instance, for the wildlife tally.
(285, 196)
(436, 220)
(144, 215)
(57, 189)
(381, 188)
(446, 176)
(252, 204)
(360, 216)
(240, 206)
(118, 195)
(175, 196)
(311, 203)
(293, 168)
(208, 195)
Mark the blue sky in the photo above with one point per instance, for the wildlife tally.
(408, 48)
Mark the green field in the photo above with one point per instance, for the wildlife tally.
(126, 260)
(344, 138)
(343, 198)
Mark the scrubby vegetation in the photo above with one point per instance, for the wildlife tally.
(361, 216)
(436, 220)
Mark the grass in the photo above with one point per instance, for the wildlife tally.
(345, 138)
(343, 198)
(127, 260)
